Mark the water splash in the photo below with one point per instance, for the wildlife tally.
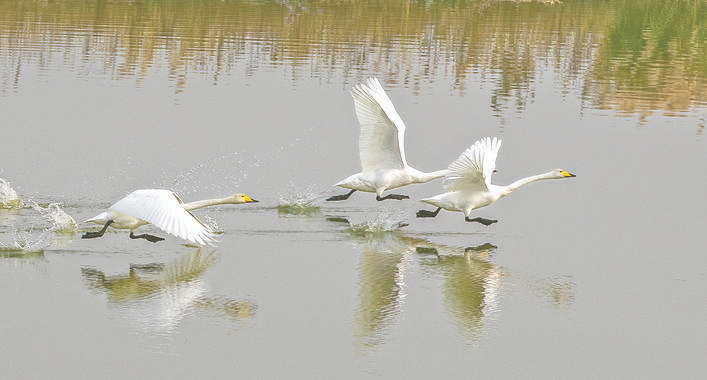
(34, 235)
(61, 221)
(231, 169)
(25, 242)
(305, 203)
(384, 222)
(8, 196)
(211, 224)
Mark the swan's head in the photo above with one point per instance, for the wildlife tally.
(241, 198)
(559, 173)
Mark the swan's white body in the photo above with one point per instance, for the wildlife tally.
(468, 184)
(165, 210)
(381, 144)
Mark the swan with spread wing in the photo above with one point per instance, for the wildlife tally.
(381, 147)
(468, 186)
(165, 210)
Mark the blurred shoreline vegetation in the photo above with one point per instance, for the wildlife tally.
(653, 57)
(635, 56)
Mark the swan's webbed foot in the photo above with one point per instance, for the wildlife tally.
(341, 197)
(97, 234)
(150, 238)
(485, 222)
(392, 196)
(427, 213)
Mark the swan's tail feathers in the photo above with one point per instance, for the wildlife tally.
(98, 219)
(434, 175)
(430, 201)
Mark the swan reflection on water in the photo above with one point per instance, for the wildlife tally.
(473, 287)
(381, 286)
(158, 296)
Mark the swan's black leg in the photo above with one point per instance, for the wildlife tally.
(428, 214)
(150, 238)
(97, 234)
(392, 196)
(485, 222)
(341, 197)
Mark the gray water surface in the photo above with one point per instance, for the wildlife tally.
(598, 276)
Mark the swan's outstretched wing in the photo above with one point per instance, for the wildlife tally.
(382, 129)
(473, 169)
(164, 209)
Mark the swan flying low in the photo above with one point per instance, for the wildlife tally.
(381, 147)
(468, 184)
(165, 210)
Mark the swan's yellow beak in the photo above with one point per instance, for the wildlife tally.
(566, 174)
(249, 199)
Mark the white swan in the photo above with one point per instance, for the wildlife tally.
(381, 147)
(468, 184)
(165, 210)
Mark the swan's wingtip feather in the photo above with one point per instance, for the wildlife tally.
(474, 166)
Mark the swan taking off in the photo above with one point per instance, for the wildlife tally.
(381, 147)
(468, 186)
(165, 210)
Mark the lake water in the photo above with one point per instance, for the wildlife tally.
(599, 276)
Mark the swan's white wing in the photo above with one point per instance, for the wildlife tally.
(382, 129)
(473, 169)
(164, 209)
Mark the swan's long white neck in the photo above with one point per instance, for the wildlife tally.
(206, 203)
(505, 190)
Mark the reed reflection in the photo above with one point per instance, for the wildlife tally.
(635, 56)
(653, 58)
(158, 296)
